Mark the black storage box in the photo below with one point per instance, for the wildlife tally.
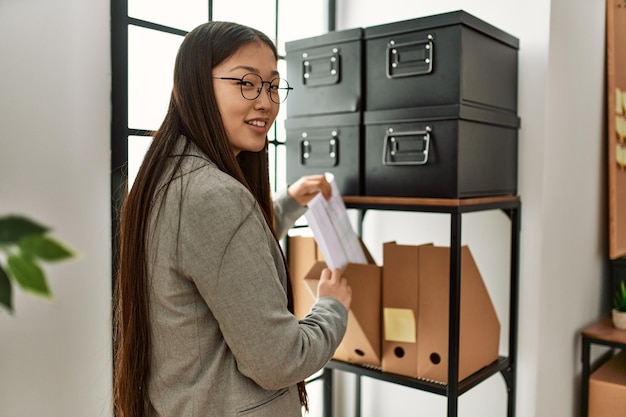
(451, 151)
(320, 144)
(326, 73)
(450, 58)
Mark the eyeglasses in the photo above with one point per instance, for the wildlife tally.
(252, 84)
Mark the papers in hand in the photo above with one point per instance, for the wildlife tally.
(328, 219)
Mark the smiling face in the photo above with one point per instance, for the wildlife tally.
(246, 121)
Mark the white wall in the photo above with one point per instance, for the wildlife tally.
(54, 167)
(561, 183)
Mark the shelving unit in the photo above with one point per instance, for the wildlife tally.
(600, 333)
(506, 365)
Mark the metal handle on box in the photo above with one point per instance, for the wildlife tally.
(321, 69)
(406, 148)
(410, 58)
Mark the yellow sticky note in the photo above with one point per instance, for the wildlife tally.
(399, 325)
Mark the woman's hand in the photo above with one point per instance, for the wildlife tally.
(332, 284)
(308, 187)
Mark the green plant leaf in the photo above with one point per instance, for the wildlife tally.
(619, 302)
(6, 293)
(28, 275)
(45, 248)
(13, 228)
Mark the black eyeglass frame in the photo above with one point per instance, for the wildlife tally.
(258, 93)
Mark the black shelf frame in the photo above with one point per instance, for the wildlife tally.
(505, 365)
(600, 334)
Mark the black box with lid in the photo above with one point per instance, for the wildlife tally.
(326, 73)
(449, 58)
(453, 151)
(328, 143)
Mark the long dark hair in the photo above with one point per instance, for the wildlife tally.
(192, 112)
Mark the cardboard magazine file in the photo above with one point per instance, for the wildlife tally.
(416, 283)
(607, 388)
(303, 253)
(362, 342)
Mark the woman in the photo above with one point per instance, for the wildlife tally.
(203, 304)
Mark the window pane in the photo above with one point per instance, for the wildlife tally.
(271, 154)
(137, 148)
(277, 166)
(299, 20)
(151, 56)
(259, 14)
(281, 167)
(180, 14)
(282, 114)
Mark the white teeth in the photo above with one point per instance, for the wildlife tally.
(256, 123)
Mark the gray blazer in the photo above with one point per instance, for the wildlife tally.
(223, 342)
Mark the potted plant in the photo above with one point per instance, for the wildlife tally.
(619, 308)
(23, 245)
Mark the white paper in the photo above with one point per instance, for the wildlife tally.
(329, 221)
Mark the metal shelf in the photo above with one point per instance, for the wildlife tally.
(502, 364)
(435, 205)
(506, 365)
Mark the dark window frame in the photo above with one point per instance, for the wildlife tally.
(120, 130)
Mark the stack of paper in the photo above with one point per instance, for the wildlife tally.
(329, 221)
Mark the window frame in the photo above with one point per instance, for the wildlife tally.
(121, 131)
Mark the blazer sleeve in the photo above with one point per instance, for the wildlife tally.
(286, 212)
(230, 254)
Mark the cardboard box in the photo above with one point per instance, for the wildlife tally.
(416, 282)
(362, 342)
(607, 388)
(302, 254)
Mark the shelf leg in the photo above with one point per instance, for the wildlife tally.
(454, 314)
(327, 376)
(509, 378)
(357, 397)
(584, 378)
(511, 372)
